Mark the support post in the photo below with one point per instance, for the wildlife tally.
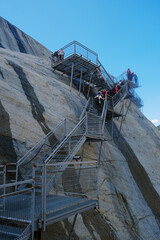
(98, 167)
(71, 76)
(45, 198)
(89, 86)
(127, 110)
(112, 125)
(80, 82)
(65, 127)
(33, 201)
(121, 118)
(82, 154)
(86, 124)
(72, 228)
(4, 188)
(74, 47)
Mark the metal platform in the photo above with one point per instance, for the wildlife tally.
(58, 208)
(81, 63)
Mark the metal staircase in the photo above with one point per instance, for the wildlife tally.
(49, 185)
(40, 172)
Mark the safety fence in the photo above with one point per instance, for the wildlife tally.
(72, 183)
(39, 152)
(17, 210)
(79, 49)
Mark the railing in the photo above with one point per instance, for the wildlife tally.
(74, 183)
(65, 148)
(7, 173)
(122, 92)
(109, 79)
(18, 208)
(41, 150)
(138, 101)
(79, 49)
(104, 113)
(95, 123)
(133, 80)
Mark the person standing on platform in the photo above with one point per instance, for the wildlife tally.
(61, 54)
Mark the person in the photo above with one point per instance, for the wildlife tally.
(54, 57)
(128, 74)
(119, 85)
(115, 89)
(104, 93)
(135, 79)
(99, 103)
(61, 54)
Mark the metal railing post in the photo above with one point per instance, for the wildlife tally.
(4, 182)
(42, 191)
(65, 127)
(33, 201)
(69, 146)
(71, 75)
(44, 148)
(45, 199)
(16, 177)
(74, 47)
(86, 124)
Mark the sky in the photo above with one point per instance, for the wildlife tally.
(124, 33)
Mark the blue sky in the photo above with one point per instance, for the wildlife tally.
(124, 33)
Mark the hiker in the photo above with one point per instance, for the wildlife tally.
(54, 57)
(104, 93)
(99, 104)
(119, 85)
(128, 74)
(61, 54)
(135, 79)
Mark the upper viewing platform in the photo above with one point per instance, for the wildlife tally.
(82, 63)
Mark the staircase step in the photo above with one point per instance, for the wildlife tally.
(11, 230)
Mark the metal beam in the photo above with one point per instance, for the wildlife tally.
(72, 228)
(80, 82)
(71, 75)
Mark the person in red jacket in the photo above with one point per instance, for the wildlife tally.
(115, 89)
(128, 74)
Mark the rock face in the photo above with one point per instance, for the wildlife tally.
(33, 100)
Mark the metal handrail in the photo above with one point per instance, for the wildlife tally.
(66, 138)
(85, 108)
(110, 78)
(34, 148)
(84, 51)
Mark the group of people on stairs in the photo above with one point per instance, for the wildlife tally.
(100, 96)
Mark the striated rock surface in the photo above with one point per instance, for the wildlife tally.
(33, 100)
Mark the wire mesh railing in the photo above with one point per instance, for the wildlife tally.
(79, 49)
(41, 150)
(74, 183)
(66, 148)
(138, 101)
(113, 100)
(132, 78)
(18, 209)
(108, 78)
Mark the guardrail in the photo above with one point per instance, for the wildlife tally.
(13, 220)
(77, 48)
(74, 183)
(41, 150)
